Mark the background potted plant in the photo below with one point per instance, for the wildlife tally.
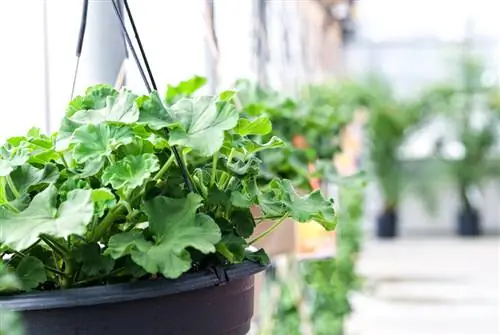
(113, 233)
(468, 106)
(389, 123)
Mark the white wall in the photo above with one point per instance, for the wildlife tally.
(172, 33)
(21, 66)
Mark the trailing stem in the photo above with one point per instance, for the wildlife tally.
(214, 169)
(12, 187)
(269, 230)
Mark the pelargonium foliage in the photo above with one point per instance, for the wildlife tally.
(104, 200)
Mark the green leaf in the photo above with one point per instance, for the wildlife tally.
(267, 198)
(31, 272)
(156, 140)
(247, 147)
(250, 167)
(26, 176)
(91, 167)
(217, 197)
(93, 262)
(64, 134)
(20, 230)
(95, 98)
(227, 95)
(312, 206)
(232, 247)
(72, 184)
(184, 89)
(119, 109)
(259, 126)
(8, 280)
(130, 172)
(153, 113)
(11, 323)
(258, 256)
(39, 147)
(177, 221)
(12, 156)
(103, 199)
(96, 141)
(176, 226)
(201, 123)
(243, 221)
(5, 168)
(127, 243)
(239, 200)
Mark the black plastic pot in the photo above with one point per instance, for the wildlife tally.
(211, 303)
(469, 223)
(387, 224)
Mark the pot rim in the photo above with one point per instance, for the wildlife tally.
(123, 292)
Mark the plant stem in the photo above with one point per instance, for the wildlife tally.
(227, 182)
(89, 280)
(230, 157)
(56, 271)
(262, 218)
(64, 161)
(164, 168)
(11, 207)
(269, 230)
(111, 159)
(106, 223)
(214, 169)
(12, 187)
(223, 180)
(55, 246)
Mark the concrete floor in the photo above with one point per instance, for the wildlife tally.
(429, 286)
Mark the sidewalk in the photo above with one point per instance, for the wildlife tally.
(445, 286)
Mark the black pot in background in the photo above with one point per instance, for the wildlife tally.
(387, 224)
(197, 303)
(469, 222)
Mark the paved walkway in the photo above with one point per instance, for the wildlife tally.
(445, 286)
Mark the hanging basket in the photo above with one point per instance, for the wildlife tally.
(215, 303)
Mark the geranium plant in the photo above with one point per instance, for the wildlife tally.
(106, 200)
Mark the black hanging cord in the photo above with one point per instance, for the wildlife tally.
(139, 43)
(178, 158)
(131, 45)
(79, 45)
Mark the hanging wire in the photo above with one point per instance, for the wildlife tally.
(139, 43)
(123, 27)
(149, 86)
(79, 45)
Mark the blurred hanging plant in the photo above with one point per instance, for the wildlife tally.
(313, 297)
(332, 281)
(311, 126)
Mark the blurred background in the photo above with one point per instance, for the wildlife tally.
(392, 108)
